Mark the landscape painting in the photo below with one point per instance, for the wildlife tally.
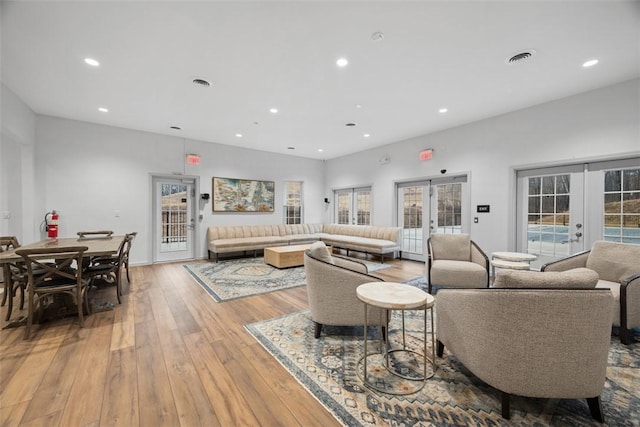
(242, 195)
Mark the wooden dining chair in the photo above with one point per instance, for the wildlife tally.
(62, 277)
(14, 275)
(95, 234)
(110, 267)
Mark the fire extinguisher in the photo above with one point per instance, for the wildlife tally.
(51, 219)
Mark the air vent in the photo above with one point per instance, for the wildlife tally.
(520, 57)
(201, 82)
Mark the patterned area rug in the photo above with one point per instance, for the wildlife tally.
(239, 278)
(326, 367)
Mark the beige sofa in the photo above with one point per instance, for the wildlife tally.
(242, 238)
(537, 342)
(618, 266)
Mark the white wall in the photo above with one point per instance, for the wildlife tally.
(600, 124)
(17, 139)
(88, 171)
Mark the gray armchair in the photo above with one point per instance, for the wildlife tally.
(618, 265)
(542, 343)
(331, 289)
(456, 261)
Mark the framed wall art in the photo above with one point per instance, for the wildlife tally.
(242, 195)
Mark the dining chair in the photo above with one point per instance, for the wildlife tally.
(14, 275)
(110, 267)
(61, 277)
(96, 233)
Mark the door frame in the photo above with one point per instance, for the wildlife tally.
(195, 214)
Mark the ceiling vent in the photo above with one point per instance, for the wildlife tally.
(201, 82)
(520, 57)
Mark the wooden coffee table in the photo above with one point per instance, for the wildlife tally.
(285, 256)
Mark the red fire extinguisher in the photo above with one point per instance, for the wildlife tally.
(52, 224)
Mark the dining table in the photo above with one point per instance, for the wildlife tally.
(96, 246)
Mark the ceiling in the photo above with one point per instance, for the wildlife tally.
(269, 54)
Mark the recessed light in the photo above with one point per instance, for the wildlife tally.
(291, 148)
(358, 106)
(103, 110)
(377, 36)
(92, 62)
(273, 110)
(175, 127)
(443, 110)
(238, 135)
(350, 124)
(366, 135)
(590, 63)
(342, 62)
(320, 150)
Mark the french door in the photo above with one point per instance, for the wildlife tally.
(353, 206)
(174, 221)
(431, 206)
(564, 210)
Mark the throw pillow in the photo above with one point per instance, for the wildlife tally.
(319, 250)
(577, 278)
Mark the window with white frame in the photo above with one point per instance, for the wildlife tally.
(622, 205)
(293, 202)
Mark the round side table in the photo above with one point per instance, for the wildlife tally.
(511, 261)
(397, 296)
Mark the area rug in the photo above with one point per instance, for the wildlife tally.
(326, 367)
(238, 278)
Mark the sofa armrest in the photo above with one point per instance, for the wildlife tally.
(479, 257)
(574, 261)
(630, 301)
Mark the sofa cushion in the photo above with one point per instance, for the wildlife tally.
(318, 250)
(461, 274)
(451, 246)
(577, 278)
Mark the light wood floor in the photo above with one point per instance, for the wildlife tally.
(168, 356)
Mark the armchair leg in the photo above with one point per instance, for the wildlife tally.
(595, 407)
(506, 406)
(439, 348)
(318, 329)
(625, 335)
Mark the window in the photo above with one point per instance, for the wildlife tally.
(293, 202)
(353, 206)
(622, 206)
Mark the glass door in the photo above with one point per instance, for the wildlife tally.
(431, 206)
(173, 219)
(353, 206)
(564, 210)
(552, 207)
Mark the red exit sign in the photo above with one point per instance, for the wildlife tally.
(426, 154)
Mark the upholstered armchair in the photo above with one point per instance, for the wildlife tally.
(618, 265)
(331, 289)
(548, 341)
(456, 261)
